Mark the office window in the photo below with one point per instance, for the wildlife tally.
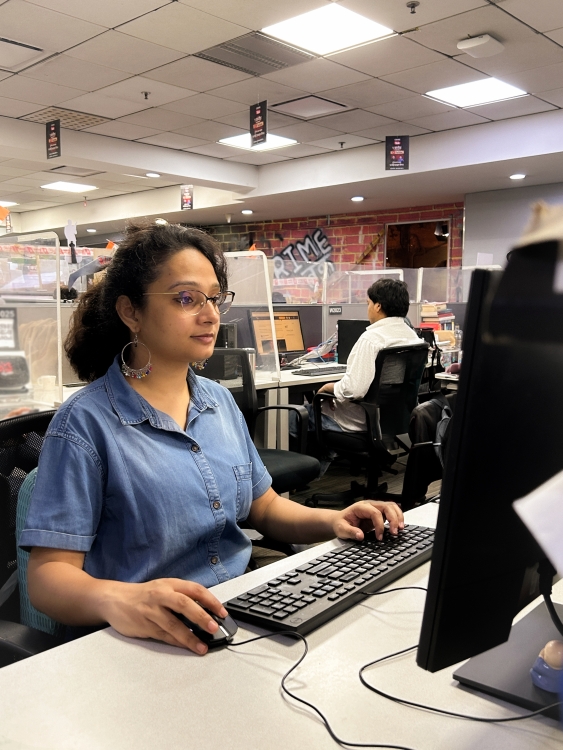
(417, 245)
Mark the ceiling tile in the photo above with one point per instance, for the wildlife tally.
(555, 96)
(4, 75)
(211, 131)
(301, 150)
(305, 132)
(43, 28)
(78, 74)
(395, 15)
(13, 108)
(182, 28)
(197, 74)
(316, 75)
(116, 50)
(366, 94)
(537, 80)
(408, 109)
(348, 141)
(105, 12)
(260, 157)
(525, 105)
(242, 119)
(435, 76)
(161, 119)
(543, 15)
(30, 166)
(535, 52)
(133, 90)
(213, 149)
(126, 130)
(35, 206)
(398, 128)
(254, 90)
(457, 118)
(556, 35)
(173, 140)
(387, 56)
(205, 106)
(255, 15)
(41, 92)
(105, 106)
(349, 122)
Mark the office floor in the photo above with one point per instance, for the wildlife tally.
(337, 479)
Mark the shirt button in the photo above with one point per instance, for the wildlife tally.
(214, 560)
(195, 448)
(216, 505)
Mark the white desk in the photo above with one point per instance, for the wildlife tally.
(108, 692)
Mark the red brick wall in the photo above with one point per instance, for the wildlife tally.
(352, 236)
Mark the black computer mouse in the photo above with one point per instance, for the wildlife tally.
(221, 637)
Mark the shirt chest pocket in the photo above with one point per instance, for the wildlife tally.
(243, 476)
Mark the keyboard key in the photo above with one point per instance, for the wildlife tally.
(332, 597)
(260, 610)
(281, 615)
(309, 599)
(241, 603)
(258, 589)
(291, 610)
(320, 593)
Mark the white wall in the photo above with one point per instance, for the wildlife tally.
(494, 220)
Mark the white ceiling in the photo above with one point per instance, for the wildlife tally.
(100, 57)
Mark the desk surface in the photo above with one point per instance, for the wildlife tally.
(108, 692)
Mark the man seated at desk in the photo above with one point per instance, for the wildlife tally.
(388, 306)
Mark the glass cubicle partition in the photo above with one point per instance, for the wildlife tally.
(30, 323)
(251, 315)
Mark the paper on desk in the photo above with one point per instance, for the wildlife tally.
(542, 512)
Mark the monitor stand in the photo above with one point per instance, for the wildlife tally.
(504, 671)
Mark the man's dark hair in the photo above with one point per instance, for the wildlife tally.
(392, 295)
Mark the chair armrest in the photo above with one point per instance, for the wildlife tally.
(318, 398)
(302, 421)
(20, 641)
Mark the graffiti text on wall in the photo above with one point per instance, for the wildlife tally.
(306, 258)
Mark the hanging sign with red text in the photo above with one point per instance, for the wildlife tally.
(258, 123)
(397, 152)
(53, 136)
(186, 197)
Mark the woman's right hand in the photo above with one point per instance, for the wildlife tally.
(148, 610)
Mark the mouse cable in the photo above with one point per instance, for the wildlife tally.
(441, 711)
(319, 713)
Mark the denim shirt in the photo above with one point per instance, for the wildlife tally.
(143, 498)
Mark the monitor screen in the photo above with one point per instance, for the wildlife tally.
(349, 331)
(506, 440)
(287, 327)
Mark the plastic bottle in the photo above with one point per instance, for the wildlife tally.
(458, 339)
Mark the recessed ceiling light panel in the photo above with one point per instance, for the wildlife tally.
(243, 141)
(152, 174)
(476, 93)
(8, 204)
(328, 29)
(517, 176)
(69, 187)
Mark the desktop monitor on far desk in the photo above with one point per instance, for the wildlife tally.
(287, 329)
(506, 440)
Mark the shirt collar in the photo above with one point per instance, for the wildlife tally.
(132, 408)
(384, 322)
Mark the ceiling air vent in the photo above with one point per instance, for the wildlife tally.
(308, 106)
(255, 54)
(69, 119)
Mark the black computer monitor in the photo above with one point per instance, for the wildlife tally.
(349, 331)
(506, 440)
(287, 330)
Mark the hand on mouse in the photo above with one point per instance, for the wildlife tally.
(352, 522)
(146, 610)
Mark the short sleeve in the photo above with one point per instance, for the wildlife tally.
(67, 500)
(261, 480)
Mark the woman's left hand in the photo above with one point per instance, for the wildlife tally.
(352, 522)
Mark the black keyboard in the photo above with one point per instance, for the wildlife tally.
(313, 371)
(319, 590)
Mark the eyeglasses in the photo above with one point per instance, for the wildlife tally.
(193, 301)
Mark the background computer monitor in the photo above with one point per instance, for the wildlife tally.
(349, 331)
(506, 440)
(287, 329)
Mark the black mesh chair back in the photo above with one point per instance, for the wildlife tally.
(21, 439)
(231, 368)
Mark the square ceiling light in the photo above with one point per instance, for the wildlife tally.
(328, 29)
(243, 141)
(475, 93)
(309, 106)
(69, 187)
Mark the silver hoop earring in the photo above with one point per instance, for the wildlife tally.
(201, 365)
(130, 372)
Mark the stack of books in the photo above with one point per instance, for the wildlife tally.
(437, 315)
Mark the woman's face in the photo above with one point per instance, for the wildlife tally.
(171, 334)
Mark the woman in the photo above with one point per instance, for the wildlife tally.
(145, 473)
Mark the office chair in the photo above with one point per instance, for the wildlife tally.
(387, 405)
(288, 469)
(21, 439)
